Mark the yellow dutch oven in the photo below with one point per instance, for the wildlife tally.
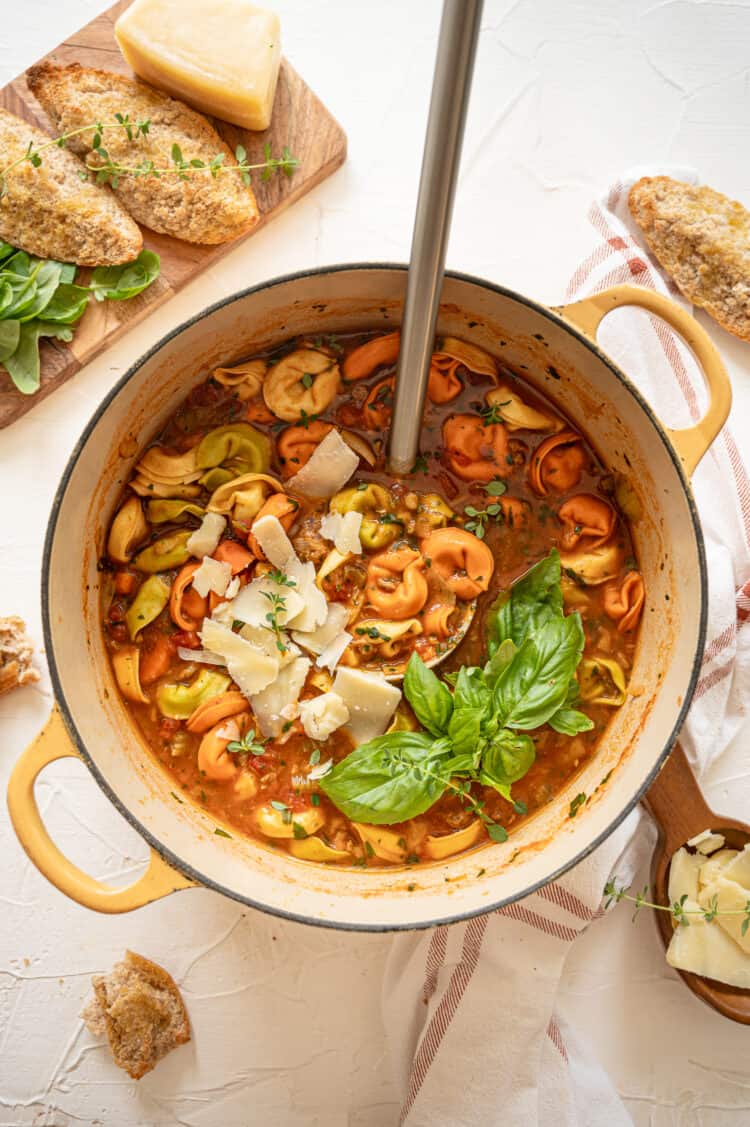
(557, 352)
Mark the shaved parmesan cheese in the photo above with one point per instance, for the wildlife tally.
(328, 470)
(277, 704)
(273, 541)
(264, 639)
(739, 869)
(252, 669)
(205, 540)
(212, 575)
(731, 899)
(715, 865)
(707, 842)
(255, 601)
(223, 612)
(203, 657)
(233, 588)
(334, 651)
(371, 701)
(343, 530)
(705, 948)
(314, 604)
(315, 641)
(683, 875)
(323, 715)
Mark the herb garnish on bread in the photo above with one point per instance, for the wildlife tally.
(199, 209)
(702, 239)
(52, 212)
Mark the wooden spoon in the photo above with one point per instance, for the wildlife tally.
(681, 812)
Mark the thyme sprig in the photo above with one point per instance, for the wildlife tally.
(278, 604)
(679, 913)
(248, 744)
(106, 170)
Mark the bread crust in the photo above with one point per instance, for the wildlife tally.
(51, 212)
(16, 649)
(702, 239)
(199, 209)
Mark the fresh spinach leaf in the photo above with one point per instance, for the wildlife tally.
(535, 684)
(389, 779)
(47, 279)
(430, 699)
(10, 332)
(68, 304)
(117, 283)
(6, 250)
(68, 273)
(569, 721)
(23, 364)
(533, 600)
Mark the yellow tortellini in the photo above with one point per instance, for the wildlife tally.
(379, 527)
(243, 497)
(246, 379)
(303, 382)
(164, 554)
(518, 415)
(179, 701)
(247, 449)
(128, 530)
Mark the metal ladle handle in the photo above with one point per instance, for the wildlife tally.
(451, 86)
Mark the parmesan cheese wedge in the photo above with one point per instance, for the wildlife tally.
(731, 900)
(212, 575)
(221, 56)
(327, 471)
(205, 540)
(278, 703)
(707, 842)
(248, 666)
(371, 701)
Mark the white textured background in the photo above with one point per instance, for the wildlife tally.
(287, 1026)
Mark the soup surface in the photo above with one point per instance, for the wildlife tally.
(356, 668)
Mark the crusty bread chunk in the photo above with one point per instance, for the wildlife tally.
(199, 208)
(139, 1008)
(16, 649)
(702, 239)
(51, 212)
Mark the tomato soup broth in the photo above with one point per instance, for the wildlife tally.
(266, 576)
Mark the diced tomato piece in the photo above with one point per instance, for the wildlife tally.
(296, 802)
(118, 631)
(125, 582)
(187, 639)
(116, 611)
(168, 726)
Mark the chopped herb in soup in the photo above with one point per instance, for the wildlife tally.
(357, 668)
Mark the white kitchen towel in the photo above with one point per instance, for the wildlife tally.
(470, 1008)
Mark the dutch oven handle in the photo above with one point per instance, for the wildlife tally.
(52, 743)
(693, 442)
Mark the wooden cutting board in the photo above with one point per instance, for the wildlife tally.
(300, 121)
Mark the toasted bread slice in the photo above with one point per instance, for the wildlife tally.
(16, 649)
(702, 239)
(199, 208)
(138, 1006)
(51, 212)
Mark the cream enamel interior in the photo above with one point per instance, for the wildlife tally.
(565, 368)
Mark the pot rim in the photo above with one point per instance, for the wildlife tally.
(167, 854)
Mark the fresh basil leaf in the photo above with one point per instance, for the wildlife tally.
(10, 332)
(569, 722)
(47, 280)
(535, 684)
(499, 662)
(118, 283)
(23, 366)
(506, 761)
(533, 600)
(429, 697)
(68, 304)
(464, 728)
(471, 690)
(389, 779)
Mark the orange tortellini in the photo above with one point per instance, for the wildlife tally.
(464, 563)
(624, 599)
(558, 463)
(396, 584)
(476, 450)
(587, 521)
